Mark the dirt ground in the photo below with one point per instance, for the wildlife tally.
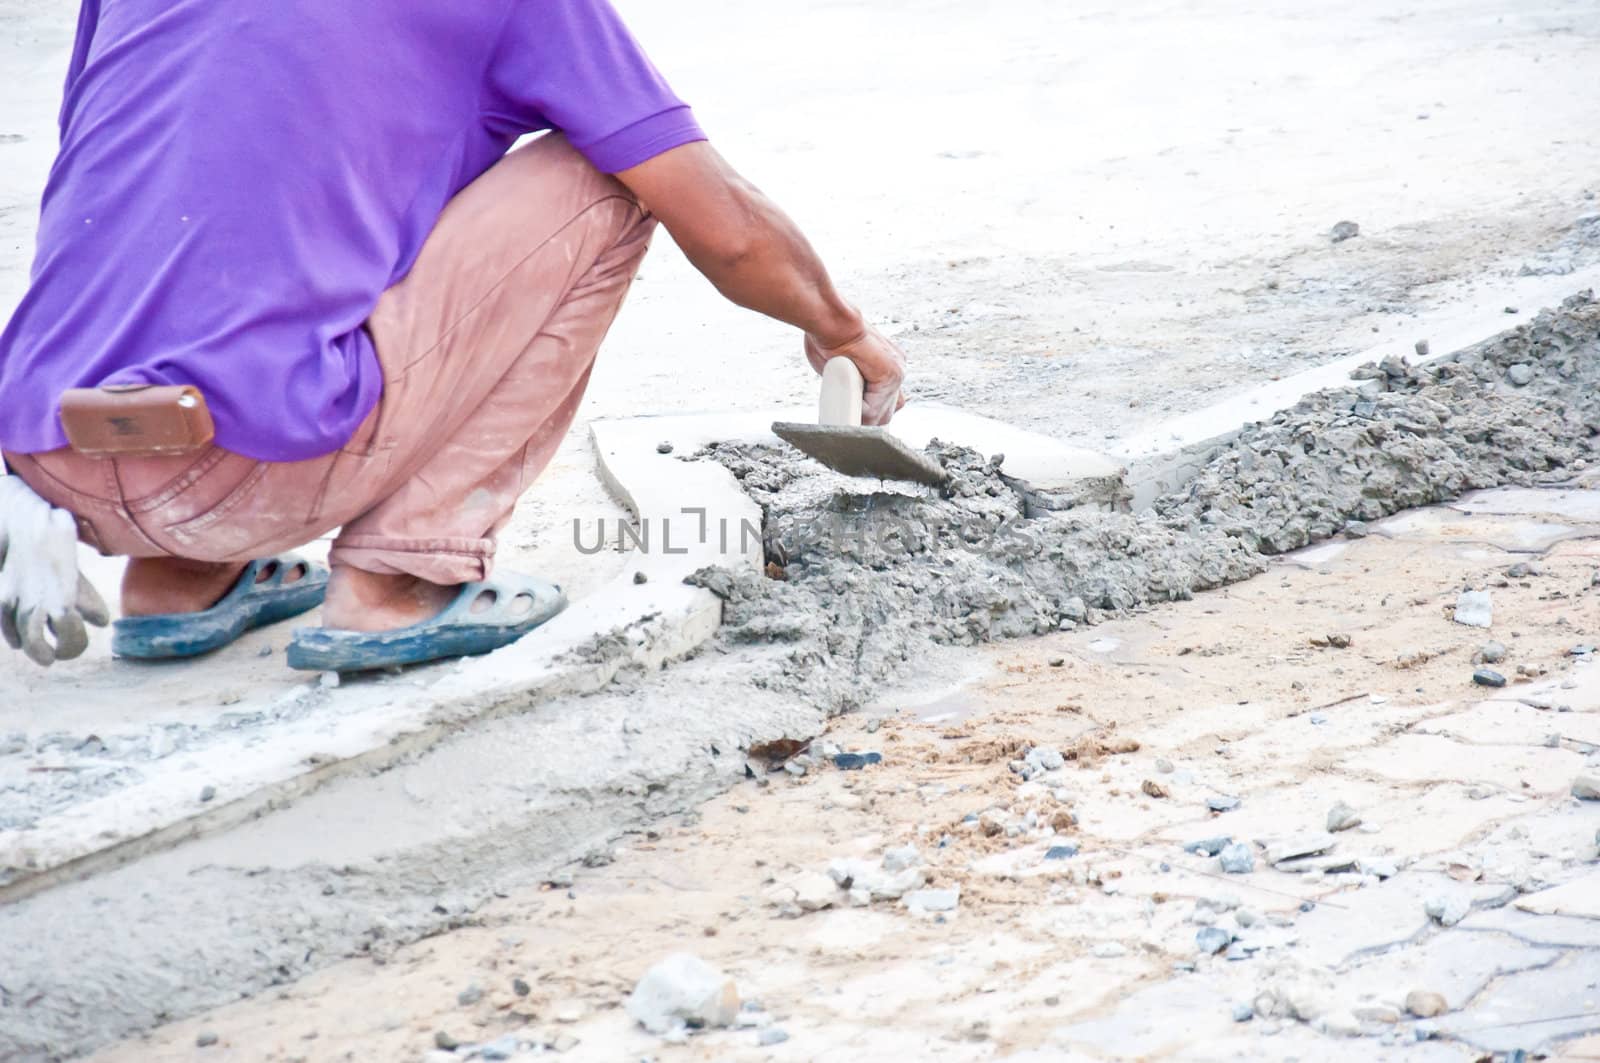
(1236, 693)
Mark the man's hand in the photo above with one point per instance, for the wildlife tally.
(882, 366)
(758, 258)
(41, 591)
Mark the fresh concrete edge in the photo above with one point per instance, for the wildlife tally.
(673, 625)
(626, 624)
(1168, 456)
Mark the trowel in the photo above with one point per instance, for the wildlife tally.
(843, 444)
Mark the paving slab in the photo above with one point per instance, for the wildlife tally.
(1553, 930)
(1422, 758)
(1496, 723)
(1453, 963)
(1579, 898)
(1533, 1010)
(1360, 921)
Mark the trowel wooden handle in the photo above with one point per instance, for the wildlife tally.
(842, 388)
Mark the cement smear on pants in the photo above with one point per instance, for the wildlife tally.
(873, 580)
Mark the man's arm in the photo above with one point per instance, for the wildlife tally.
(754, 254)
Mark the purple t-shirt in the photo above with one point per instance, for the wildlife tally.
(238, 183)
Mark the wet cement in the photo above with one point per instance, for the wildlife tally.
(861, 584)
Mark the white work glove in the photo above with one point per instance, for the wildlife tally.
(42, 592)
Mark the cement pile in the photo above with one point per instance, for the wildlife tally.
(867, 581)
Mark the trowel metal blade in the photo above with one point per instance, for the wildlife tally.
(862, 452)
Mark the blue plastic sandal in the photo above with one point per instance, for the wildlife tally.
(263, 594)
(470, 625)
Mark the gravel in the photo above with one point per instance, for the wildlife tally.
(1474, 609)
(1425, 1004)
(1447, 909)
(683, 990)
(933, 900)
(1342, 817)
(1208, 846)
(1238, 859)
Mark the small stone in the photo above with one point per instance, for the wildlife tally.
(1061, 852)
(1238, 859)
(1058, 662)
(445, 1041)
(772, 1035)
(328, 679)
(795, 768)
(1354, 529)
(1318, 718)
(1339, 640)
(1425, 1005)
(1342, 817)
(1377, 866)
(1243, 1012)
(1052, 1002)
(1110, 950)
(500, 1049)
(1308, 844)
(520, 987)
(1422, 348)
(1587, 788)
(1474, 609)
(640, 577)
(683, 989)
(1164, 766)
(933, 900)
(855, 761)
(1376, 1013)
(1343, 231)
(1245, 918)
(664, 447)
(1044, 758)
(1447, 909)
(1521, 374)
(1222, 803)
(1492, 652)
(814, 891)
(205, 1039)
(901, 858)
(1154, 789)
(1488, 677)
(207, 793)
(469, 996)
(1208, 846)
(1211, 940)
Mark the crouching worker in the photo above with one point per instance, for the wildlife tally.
(288, 280)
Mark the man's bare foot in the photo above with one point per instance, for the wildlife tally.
(366, 601)
(156, 586)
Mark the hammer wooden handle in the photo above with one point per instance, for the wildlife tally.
(842, 388)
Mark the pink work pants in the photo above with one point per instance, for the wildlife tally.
(486, 347)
